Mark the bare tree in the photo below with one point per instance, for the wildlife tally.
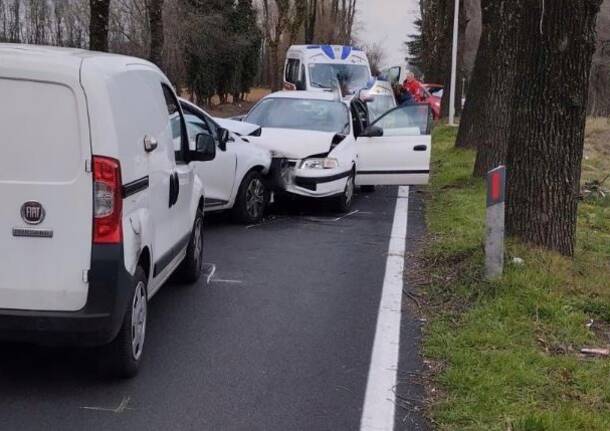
(155, 17)
(376, 55)
(98, 26)
(310, 22)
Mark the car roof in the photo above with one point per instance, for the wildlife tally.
(66, 61)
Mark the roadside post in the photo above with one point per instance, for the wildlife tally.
(494, 245)
(454, 58)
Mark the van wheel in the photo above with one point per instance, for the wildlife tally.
(252, 199)
(125, 352)
(192, 265)
(343, 202)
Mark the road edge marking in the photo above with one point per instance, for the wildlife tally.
(378, 412)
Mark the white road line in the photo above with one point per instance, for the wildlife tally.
(120, 409)
(219, 280)
(211, 274)
(347, 215)
(379, 401)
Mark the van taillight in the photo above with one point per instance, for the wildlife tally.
(107, 201)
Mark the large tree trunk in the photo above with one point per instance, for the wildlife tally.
(98, 25)
(553, 60)
(155, 18)
(485, 122)
(276, 81)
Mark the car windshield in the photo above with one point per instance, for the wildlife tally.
(325, 75)
(304, 114)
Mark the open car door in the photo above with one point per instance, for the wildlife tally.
(395, 149)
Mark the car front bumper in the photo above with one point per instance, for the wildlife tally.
(287, 177)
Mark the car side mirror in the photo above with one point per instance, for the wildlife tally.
(300, 85)
(373, 132)
(223, 137)
(205, 148)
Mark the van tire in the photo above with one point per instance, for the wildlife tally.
(343, 202)
(123, 361)
(191, 267)
(251, 200)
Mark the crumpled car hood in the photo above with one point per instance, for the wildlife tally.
(240, 127)
(294, 144)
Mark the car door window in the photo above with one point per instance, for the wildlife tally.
(406, 120)
(195, 126)
(201, 124)
(177, 124)
(360, 118)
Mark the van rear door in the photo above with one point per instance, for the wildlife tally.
(46, 210)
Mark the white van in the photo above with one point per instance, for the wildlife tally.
(100, 202)
(318, 67)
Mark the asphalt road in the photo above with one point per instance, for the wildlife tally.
(280, 339)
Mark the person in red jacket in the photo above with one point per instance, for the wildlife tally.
(413, 86)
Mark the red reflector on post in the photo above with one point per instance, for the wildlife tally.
(496, 185)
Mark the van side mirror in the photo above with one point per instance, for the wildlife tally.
(373, 132)
(223, 137)
(205, 148)
(300, 85)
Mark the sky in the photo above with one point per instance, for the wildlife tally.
(387, 22)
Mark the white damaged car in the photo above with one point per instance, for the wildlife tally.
(324, 146)
(236, 179)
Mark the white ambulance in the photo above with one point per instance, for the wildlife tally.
(322, 67)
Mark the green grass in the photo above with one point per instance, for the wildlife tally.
(508, 350)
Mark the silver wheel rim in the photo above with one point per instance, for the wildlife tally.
(138, 320)
(255, 198)
(198, 243)
(349, 190)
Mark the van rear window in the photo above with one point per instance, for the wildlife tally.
(39, 132)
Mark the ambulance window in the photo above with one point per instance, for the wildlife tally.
(292, 70)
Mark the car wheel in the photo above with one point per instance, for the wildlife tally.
(367, 189)
(191, 267)
(125, 352)
(252, 199)
(343, 203)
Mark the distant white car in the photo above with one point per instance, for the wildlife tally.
(379, 97)
(235, 179)
(323, 146)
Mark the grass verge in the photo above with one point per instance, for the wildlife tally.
(508, 352)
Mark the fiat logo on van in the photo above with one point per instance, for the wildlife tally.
(32, 212)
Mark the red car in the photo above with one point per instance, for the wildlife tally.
(434, 96)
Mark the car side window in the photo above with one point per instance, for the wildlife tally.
(292, 70)
(177, 124)
(360, 118)
(206, 124)
(356, 120)
(213, 127)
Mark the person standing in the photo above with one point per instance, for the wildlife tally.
(403, 96)
(413, 86)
